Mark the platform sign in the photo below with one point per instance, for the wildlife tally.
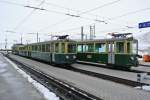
(144, 24)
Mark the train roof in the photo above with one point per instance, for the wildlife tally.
(16, 45)
(51, 41)
(108, 40)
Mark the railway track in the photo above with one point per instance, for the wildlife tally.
(107, 77)
(119, 68)
(98, 87)
(61, 89)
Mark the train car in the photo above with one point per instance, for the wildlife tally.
(117, 52)
(60, 52)
(15, 48)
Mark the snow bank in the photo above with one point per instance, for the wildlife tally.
(2, 64)
(47, 94)
(147, 88)
(144, 87)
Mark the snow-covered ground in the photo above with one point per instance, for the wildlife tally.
(43, 90)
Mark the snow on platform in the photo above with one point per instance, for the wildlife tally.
(13, 85)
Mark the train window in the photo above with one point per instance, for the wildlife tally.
(79, 48)
(100, 47)
(52, 47)
(90, 47)
(82, 48)
(39, 48)
(135, 47)
(57, 47)
(63, 48)
(128, 47)
(33, 49)
(47, 47)
(120, 47)
(43, 47)
(71, 48)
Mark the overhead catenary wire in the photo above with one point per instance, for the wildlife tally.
(126, 14)
(11, 3)
(104, 5)
(25, 19)
(91, 19)
(84, 12)
(35, 8)
(130, 13)
(51, 11)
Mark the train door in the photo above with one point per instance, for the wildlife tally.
(111, 53)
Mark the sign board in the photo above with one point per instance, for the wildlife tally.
(144, 24)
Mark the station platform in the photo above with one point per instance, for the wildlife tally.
(144, 63)
(107, 90)
(13, 86)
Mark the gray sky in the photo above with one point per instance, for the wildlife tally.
(118, 14)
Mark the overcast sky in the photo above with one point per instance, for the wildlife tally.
(115, 16)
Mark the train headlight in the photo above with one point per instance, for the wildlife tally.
(132, 58)
(67, 57)
(74, 57)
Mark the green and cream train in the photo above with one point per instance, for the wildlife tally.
(116, 51)
(61, 52)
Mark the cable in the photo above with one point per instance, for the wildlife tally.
(12, 3)
(107, 4)
(129, 13)
(30, 14)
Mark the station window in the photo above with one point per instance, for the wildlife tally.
(100, 47)
(120, 47)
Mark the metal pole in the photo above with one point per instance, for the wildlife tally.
(94, 31)
(90, 32)
(37, 37)
(6, 43)
(82, 33)
(82, 38)
(21, 38)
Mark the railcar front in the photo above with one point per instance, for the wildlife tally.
(15, 48)
(64, 52)
(116, 52)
